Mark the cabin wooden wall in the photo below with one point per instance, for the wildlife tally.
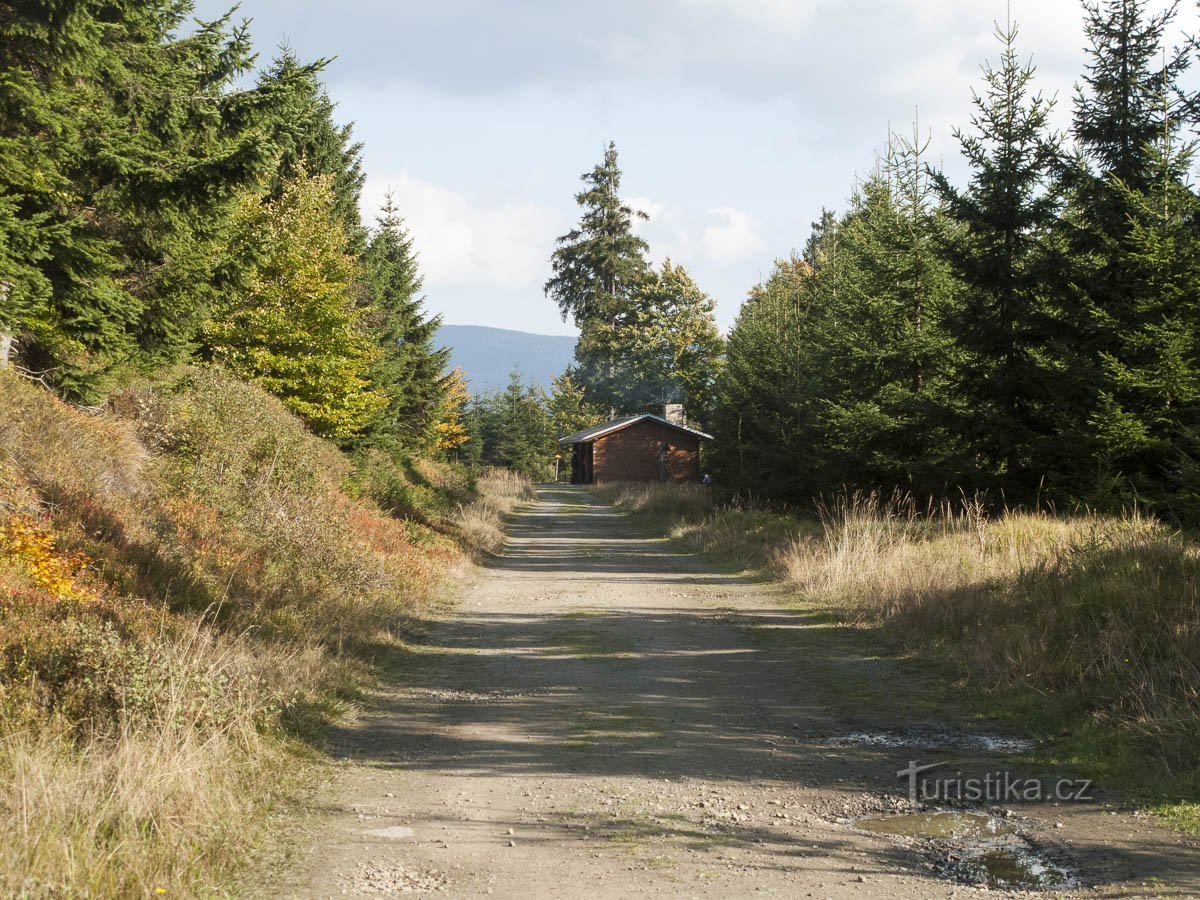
(631, 454)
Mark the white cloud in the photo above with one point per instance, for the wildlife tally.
(463, 240)
(734, 239)
(789, 15)
(652, 208)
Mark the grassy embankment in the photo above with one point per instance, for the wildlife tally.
(1081, 629)
(191, 586)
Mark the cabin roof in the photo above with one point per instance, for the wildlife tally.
(598, 431)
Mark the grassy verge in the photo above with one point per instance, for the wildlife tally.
(191, 587)
(1083, 630)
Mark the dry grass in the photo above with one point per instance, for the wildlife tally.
(498, 494)
(185, 589)
(1083, 624)
(1102, 612)
(162, 800)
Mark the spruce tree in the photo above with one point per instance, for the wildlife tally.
(886, 352)
(597, 265)
(596, 270)
(1128, 113)
(1009, 328)
(409, 369)
(1147, 420)
(1119, 113)
(515, 429)
(770, 394)
(123, 149)
(306, 134)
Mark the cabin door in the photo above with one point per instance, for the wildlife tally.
(581, 464)
(664, 456)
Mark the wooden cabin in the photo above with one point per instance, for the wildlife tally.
(635, 448)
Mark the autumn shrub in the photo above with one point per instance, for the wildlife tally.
(410, 487)
(1100, 612)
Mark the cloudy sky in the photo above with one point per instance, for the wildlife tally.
(736, 120)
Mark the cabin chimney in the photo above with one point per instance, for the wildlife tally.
(674, 413)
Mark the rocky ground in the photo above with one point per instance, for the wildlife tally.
(606, 715)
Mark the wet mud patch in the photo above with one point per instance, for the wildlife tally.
(975, 848)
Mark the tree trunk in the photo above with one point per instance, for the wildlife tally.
(6, 336)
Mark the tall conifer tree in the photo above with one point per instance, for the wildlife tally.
(1008, 327)
(410, 367)
(306, 134)
(1147, 420)
(123, 150)
(595, 272)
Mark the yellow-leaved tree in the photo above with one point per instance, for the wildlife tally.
(451, 429)
(292, 324)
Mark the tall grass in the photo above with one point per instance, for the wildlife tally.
(161, 800)
(1090, 621)
(499, 493)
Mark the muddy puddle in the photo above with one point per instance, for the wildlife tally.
(934, 740)
(975, 848)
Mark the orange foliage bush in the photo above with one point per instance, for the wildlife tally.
(32, 546)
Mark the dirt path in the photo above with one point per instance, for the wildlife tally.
(604, 715)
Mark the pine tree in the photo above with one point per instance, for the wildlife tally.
(293, 325)
(1009, 328)
(409, 368)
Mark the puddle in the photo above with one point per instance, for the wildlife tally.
(936, 825)
(975, 848)
(935, 740)
(1014, 867)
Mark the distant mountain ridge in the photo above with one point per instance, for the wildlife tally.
(488, 355)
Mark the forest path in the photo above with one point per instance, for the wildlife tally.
(606, 715)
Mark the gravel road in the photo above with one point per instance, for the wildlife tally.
(605, 715)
